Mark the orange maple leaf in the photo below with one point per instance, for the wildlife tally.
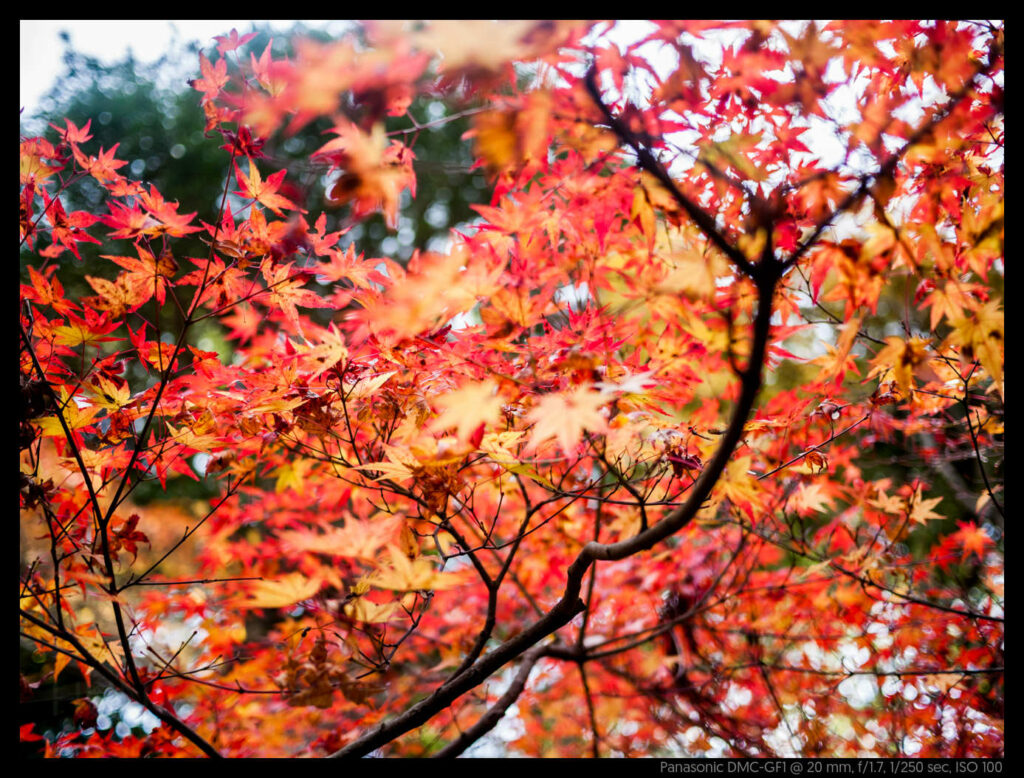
(285, 290)
(345, 264)
(148, 275)
(973, 539)
(264, 192)
(33, 169)
(47, 291)
(116, 297)
(33, 152)
(355, 539)
(376, 172)
(102, 167)
(172, 223)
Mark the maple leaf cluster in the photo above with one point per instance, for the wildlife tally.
(696, 421)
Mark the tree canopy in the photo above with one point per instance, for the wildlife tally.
(690, 443)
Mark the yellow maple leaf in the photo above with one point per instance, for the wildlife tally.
(816, 569)
(735, 151)
(189, 438)
(484, 45)
(369, 612)
(91, 640)
(949, 300)
(286, 590)
(407, 575)
(108, 394)
(906, 358)
(838, 359)
(366, 386)
(75, 417)
(497, 446)
(689, 272)
(566, 416)
(921, 510)
(739, 487)
(980, 336)
(327, 353)
(468, 407)
(292, 475)
(810, 498)
(33, 169)
(886, 503)
(402, 465)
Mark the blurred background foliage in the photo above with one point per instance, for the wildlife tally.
(152, 112)
(154, 116)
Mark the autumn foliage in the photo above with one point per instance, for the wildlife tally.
(691, 444)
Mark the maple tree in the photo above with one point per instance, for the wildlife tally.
(691, 444)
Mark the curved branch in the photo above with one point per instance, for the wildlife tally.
(419, 714)
(489, 720)
(766, 276)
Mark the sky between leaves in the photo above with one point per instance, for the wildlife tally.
(109, 40)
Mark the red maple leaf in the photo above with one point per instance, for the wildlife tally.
(73, 134)
(127, 537)
(172, 223)
(129, 221)
(68, 229)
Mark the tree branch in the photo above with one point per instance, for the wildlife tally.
(766, 276)
(656, 169)
(490, 719)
